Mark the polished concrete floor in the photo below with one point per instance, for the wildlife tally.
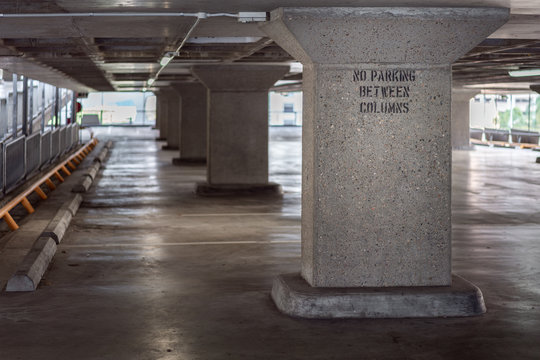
(148, 270)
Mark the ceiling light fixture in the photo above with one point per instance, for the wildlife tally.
(523, 73)
(166, 59)
(251, 16)
(243, 17)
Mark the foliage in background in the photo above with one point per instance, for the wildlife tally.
(520, 119)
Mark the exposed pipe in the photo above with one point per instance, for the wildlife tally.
(164, 64)
(242, 16)
(116, 14)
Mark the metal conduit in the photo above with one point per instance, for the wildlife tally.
(123, 14)
(163, 65)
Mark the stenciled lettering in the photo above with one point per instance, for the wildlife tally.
(375, 107)
(384, 91)
(359, 75)
(393, 75)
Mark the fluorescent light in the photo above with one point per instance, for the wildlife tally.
(522, 73)
(250, 16)
(296, 67)
(151, 81)
(166, 59)
(223, 40)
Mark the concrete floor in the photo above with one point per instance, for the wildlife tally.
(148, 270)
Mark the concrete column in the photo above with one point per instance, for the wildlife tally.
(377, 159)
(237, 160)
(193, 125)
(173, 119)
(161, 116)
(461, 121)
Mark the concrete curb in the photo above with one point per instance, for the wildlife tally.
(91, 174)
(102, 154)
(36, 262)
(58, 225)
(30, 271)
(93, 170)
(83, 186)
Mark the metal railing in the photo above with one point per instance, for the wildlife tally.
(23, 156)
(21, 198)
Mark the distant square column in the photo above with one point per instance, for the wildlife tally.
(173, 119)
(193, 125)
(461, 122)
(161, 116)
(237, 161)
(377, 159)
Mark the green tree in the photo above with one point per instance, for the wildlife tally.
(502, 119)
(519, 121)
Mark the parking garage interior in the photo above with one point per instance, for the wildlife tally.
(287, 180)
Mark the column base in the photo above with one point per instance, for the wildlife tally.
(169, 147)
(189, 161)
(295, 297)
(270, 189)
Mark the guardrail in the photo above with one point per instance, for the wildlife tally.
(505, 138)
(25, 155)
(21, 198)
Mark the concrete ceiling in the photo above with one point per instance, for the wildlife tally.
(122, 53)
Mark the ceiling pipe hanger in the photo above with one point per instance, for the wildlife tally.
(242, 16)
(169, 56)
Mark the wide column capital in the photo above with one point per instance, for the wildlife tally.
(351, 35)
(463, 94)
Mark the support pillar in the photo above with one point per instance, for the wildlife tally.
(31, 108)
(377, 159)
(461, 122)
(25, 107)
(42, 107)
(74, 107)
(14, 106)
(57, 107)
(193, 125)
(161, 115)
(237, 161)
(173, 119)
